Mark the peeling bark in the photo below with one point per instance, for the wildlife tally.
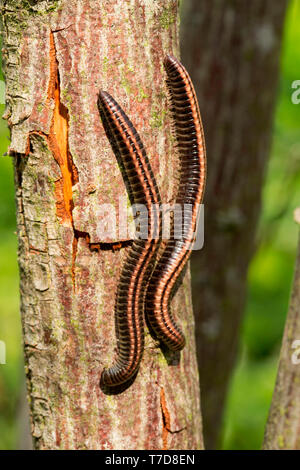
(283, 426)
(58, 55)
(231, 49)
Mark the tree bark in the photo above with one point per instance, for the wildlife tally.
(232, 50)
(283, 426)
(57, 56)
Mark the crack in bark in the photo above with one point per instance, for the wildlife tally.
(166, 429)
(165, 419)
(62, 29)
(58, 143)
(58, 139)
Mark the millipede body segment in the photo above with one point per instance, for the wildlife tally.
(139, 263)
(191, 149)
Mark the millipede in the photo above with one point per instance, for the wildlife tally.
(192, 175)
(145, 287)
(139, 262)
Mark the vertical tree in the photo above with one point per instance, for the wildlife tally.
(232, 50)
(283, 430)
(57, 55)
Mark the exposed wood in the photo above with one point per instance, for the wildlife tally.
(57, 56)
(231, 49)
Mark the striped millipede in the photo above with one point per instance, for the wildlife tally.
(135, 292)
(139, 262)
(191, 149)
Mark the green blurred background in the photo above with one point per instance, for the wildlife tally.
(270, 274)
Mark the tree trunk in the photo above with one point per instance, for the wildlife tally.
(232, 50)
(57, 56)
(283, 426)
